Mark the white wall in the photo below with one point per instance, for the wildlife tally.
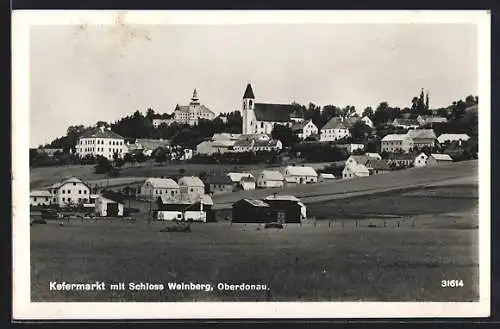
(70, 193)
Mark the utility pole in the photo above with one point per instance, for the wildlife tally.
(150, 205)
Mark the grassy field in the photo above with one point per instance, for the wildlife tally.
(427, 235)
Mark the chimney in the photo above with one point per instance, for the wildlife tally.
(275, 194)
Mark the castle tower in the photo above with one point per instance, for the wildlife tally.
(195, 100)
(248, 110)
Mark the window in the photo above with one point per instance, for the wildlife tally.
(74, 184)
(63, 191)
(79, 191)
(63, 199)
(192, 189)
(69, 199)
(79, 199)
(34, 199)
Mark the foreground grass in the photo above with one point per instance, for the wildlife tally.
(297, 263)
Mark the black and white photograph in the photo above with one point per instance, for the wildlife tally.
(229, 164)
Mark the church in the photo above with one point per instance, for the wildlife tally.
(260, 118)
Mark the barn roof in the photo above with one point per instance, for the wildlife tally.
(40, 193)
(191, 181)
(441, 157)
(282, 197)
(421, 134)
(301, 171)
(162, 182)
(334, 123)
(219, 179)
(256, 203)
(271, 175)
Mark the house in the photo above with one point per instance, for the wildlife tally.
(191, 188)
(425, 120)
(373, 155)
(405, 123)
(300, 175)
(243, 145)
(401, 160)
(155, 187)
(323, 177)
(270, 178)
(453, 138)
(269, 145)
(367, 121)
(70, 192)
(247, 183)
(438, 159)
(355, 170)
(217, 146)
(105, 207)
(225, 137)
(286, 208)
(220, 184)
(190, 114)
(360, 159)
(420, 160)
(148, 146)
(351, 147)
(396, 142)
(222, 118)
(422, 138)
(378, 166)
(167, 120)
(260, 118)
(304, 129)
(334, 130)
(237, 176)
(100, 142)
(40, 198)
(186, 154)
(251, 211)
(199, 209)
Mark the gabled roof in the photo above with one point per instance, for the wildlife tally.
(378, 164)
(282, 197)
(394, 137)
(40, 193)
(406, 122)
(152, 144)
(421, 134)
(373, 155)
(452, 137)
(237, 176)
(301, 171)
(403, 156)
(219, 179)
(191, 181)
(273, 112)
(269, 143)
(441, 157)
(100, 133)
(249, 92)
(244, 143)
(271, 175)
(357, 168)
(255, 202)
(325, 175)
(247, 179)
(162, 182)
(298, 126)
(360, 159)
(334, 123)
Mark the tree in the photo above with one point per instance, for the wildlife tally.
(160, 155)
(103, 166)
(368, 112)
(140, 157)
(284, 134)
(381, 115)
(359, 131)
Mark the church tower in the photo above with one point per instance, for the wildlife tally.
(248, 115)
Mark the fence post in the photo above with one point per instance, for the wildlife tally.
(329, 222)
(357, 223)
(398, 223)
(385, 224)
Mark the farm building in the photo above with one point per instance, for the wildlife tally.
(270, 178)
(191, 188)
(422, 138)
(106, 207)
(247, 183)
(425, 120)
(375, 156)
(420, 160)
(286, 208)
(219, 184)
(357, 159)
(406, 123)
(401, 160)
(439, 159)
(335, 129)
(304, 129)
(354, 171)
(40, 198)
(396, 142)
(217, 146)
(70, 192)
(237, 176)
(200, 210)
(300, 175)
(378, 167)
(323, 177)
(451, 138)
(251, 211)
(351, 147)
(153, 187)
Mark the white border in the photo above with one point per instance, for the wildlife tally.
(24, 309)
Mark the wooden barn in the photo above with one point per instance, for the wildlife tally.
(187, 208)
(285, 208)
(252, 211)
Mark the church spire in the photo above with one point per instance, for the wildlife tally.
(248, 92)
(195, 99)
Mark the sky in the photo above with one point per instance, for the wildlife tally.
(84, 74)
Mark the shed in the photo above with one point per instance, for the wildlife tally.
(325, 177)
(285, 208)
(251, 211)
(106, 207)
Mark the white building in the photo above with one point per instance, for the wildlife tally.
(105, 207)
(420, 160)
(270, 178)
(155, 187)
(450, 138)
(191, 188)
(260, 118)
(190, 114)
(300, 175)
(406, 123)
(158, 122)
(247, 183)
(396, 142)
(335, 129)
(217, 146)
(70, 192)
(439, 159)
(375, 156)
(367, 121)
(101, 142)
(304, 129)
(324, 177)
(430, 119)
(237, 176)
(40, 198)
(355, 171)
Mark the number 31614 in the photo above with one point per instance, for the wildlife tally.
(452, 283)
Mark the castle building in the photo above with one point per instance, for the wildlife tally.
(260, 118)
(191, 113)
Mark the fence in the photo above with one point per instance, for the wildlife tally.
(337, 223)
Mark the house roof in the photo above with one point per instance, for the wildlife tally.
(441, 157)
(255, 202)
(219, 179)
(249, 92)
(248, 179)
(162, 182)
(361, 159)
(325, 175)
(432, 119)
(166, 199)
(403, 156)
(394, 137)
(269, 143)
(191, 181)
(237, 176)
(357, 168)
(100, 133)
(273, 112)
(298, 126)
(406, 122)
(334, 123)
(373, 155)
(301, 171)
(225, 137)
(452, 137)
(152, 144)
(40, 193)
(186, 108)
(421, 134)
(378, 164)
(282, 197)
(244, 143)
(272, 175)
